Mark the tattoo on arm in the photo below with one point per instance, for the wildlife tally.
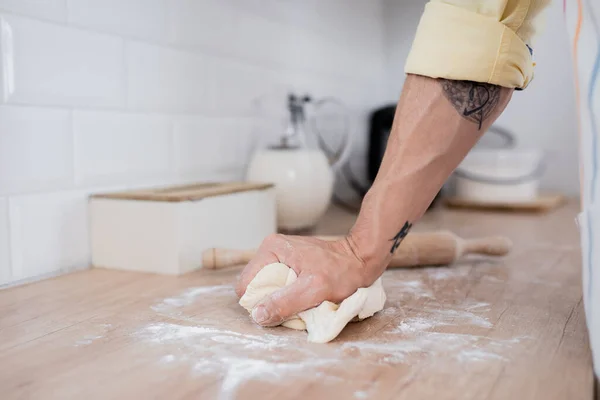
(400, 236)
(473, 100)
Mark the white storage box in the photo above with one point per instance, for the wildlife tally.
(166, 230)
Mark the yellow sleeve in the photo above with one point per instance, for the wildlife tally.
(482, 41)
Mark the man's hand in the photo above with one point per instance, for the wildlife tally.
(437, 122)
(327, 270)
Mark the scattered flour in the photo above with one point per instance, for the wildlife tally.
(389, 311)
(194, 335)
(444, 317)
(479, 306)
(468, 355)
(458, 317)
(445, 273)
(203, 347)
(433, 346)
(169, 358)
(88, 339)
(101, 331)
(241, 370)
(236, 357)
(189, 296)
(419, 324)
(413, 288)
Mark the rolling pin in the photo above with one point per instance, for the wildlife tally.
(417, 249)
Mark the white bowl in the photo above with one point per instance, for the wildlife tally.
(499, 175)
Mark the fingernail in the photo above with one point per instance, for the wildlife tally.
(260, 314)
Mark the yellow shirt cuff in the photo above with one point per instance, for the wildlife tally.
(454, 43)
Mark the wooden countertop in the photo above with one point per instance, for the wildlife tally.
(481, 329)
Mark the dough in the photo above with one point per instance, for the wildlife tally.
(323, 322)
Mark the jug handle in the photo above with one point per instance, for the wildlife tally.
(336, 158)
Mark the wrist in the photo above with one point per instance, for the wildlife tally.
(374, 258)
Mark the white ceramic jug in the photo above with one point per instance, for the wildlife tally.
(303, 175)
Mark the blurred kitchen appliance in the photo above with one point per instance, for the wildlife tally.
(301, 165)
(380, 128)
(499, 176)
(379, 132)
(496, 140)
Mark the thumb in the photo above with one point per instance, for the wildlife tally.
(254, 266)
(288, 301)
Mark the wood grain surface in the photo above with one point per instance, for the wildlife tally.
(181, 193)
(510, 328)
(544, 203)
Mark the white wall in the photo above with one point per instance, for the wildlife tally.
(99, 95)
(543, 115)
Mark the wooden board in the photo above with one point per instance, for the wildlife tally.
(185, 192)
(544, 203)
(511, 328)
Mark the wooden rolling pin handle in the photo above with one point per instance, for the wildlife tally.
(491, 246)
(418, 249)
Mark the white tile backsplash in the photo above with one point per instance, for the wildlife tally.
(144, 19)
(36, 149)
(5, 268)
(162, 79)
(238, 88)
(221, 145)
(261, 40)
(203, 25)
(113, 148)
(48, 232)
(138, 93)
(47, 64)
(55, 10)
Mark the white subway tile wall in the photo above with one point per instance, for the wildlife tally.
(206, 143)
(48, 232)
(54, 10)
(142, 154)
(36, 149)
(163, 79)
(48, 64)
(99, 94)
(144, 19)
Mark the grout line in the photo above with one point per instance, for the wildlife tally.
(179, 114)
(73, 147)
(3, 78)
(195, 50)
(68, 12)
(167, 17)
(134, 112)
(173, 149)
(125, 77)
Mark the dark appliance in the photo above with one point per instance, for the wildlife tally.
(379, 131)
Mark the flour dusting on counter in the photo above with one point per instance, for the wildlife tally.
(198, 343)
(189, 296)
(100, 331)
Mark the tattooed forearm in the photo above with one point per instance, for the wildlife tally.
(400, 236)
(473, 100)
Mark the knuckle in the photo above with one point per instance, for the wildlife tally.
(276, 310)
(273, 239)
